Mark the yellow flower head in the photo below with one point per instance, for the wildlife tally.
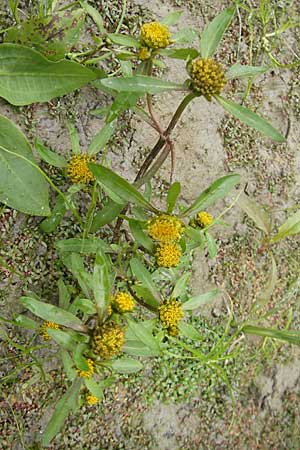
(144, 53)
(168, 254)
(203, 219)
(78, 170)
(43, 329)
(155, 35)
(109, 310)
(207, 76)
(108, 340)
(91, 399)
(170, 314)
(123, 302)
(166, 228)
(87, 373)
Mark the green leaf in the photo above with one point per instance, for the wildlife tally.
(179, 53)
(94, 387)
(256, 212)
(126, 68)
(68, 365)
(217, 190)
(74, 138)
(290, 227)
(63, 339)
(185, 36)
(126, 365)
(137, 348)
(122, 102)
(250, 118)
(141, 84)
(76, 266)
(25, 322)
(172, 18)
(67, 403)
(108, 179)
(106, 215)
(27, 77)
(79, 358)
(101, 139)
(95, 15)
(213, 33)
(123, 39)
(140, 236)
(49, 156)
(85, 246)
(144, 277)
(211, 245)
(189, 331)
(63, 295)
(22, 186)
(240, 71)
(181, 285)
(289, 336)
(144, 335)
(199, 300)
(52, 313)
(101, 281)
(145, 295)
(50, 224)
(85, 305)
(172, 196)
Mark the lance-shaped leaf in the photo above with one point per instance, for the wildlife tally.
(141, 84)
(135, 347)
(106, 215)
(52, 313)
(114, 183)
(211, 245)
(240, 71)
(63, 339)
(123, 39)
(139, 235)
(50, 224)
(250, 118)
(144, 277)
(179, 53)
(67, 403)
(213, 33)
(49, 156)
(64, 295)
(185, 36)
(145, 336)
(199, 300)
(217, 190)
(180, 287)
(85, 246)
(171, 18)
(172, 196)
(22, 186)
(288, 228)
(101, 281)
(27, 77)
(126, 365)
(101, 139)
(95, 15)
(256, 212)
(94, 388)
(289, 336)
(189, 331)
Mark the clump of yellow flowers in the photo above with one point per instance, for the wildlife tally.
(107, 340)
(170, 314)
(168, 254)
(166, 228)
(122, 302)
(207, 76)
(204, 219)
(87, 373)
(43, 329)
(155, 35)
(78, 170)
(91, 399)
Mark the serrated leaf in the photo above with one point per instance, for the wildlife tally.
(213, 33)
(241, 71)
(22, 186)
(37, 79)
(256, 212)
(199, 300)
(250, 118)
(67, 403)
(124, 190)
(141, 84)
(52, 313)
(217, 190)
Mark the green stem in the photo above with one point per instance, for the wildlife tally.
(90, 213)
(124, 7)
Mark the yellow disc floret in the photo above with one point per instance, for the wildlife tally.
(123, 302)
(108, 340)
(78, 170)
(87, 373)
(166, 228)
(170, 314)
(91, 399)
(144, 53)
(43, 329)
(207, 76)
(204, 219)
(168, 254)
(155, 35)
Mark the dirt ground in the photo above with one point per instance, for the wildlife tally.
(208, 144)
